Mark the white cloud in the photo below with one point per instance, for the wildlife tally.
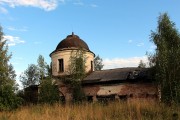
(140, 44)
(94, 5)
(80, 3)
(47, 5)
(12, 41)
(24, 29)
(3, 10)
(123, 62)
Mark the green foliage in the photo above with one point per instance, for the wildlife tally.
(35, 73)
(77, 93)
(42, 67)
(98, 65)
(5, 76)
(49, 70)
(167, 59)
(8, 100)
(49, 92)
(77, 71)
(77, 68)
(30, 76)
(33, 77)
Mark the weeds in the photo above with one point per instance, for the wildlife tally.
(134, 110)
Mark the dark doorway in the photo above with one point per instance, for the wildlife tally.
(62, 99)
(90, 98)
(123, 97)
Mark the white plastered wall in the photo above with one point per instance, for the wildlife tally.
(65, 55)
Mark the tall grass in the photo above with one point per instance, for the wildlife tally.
(132, 110)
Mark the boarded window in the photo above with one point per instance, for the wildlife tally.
(61, 65)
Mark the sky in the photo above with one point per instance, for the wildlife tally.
(117, 30)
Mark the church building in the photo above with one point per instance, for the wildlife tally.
(112, 84)
(61, 55)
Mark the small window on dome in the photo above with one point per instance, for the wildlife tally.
(61, 65)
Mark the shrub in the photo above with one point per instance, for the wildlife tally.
(8, 99)
(49, 92)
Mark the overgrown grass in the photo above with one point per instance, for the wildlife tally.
(134, 110)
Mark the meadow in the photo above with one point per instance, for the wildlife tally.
(134, 110)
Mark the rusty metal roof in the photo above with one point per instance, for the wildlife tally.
(119, 74)
(71, 42)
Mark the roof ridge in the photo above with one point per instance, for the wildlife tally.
(117, 69)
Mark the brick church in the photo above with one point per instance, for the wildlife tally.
(112, 84)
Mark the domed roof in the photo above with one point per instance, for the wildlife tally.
(72, 41)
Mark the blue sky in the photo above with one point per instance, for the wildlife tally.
(117, 30)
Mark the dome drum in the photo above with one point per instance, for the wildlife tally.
(61, 55)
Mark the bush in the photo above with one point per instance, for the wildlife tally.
(8, 99)
(77, 93)
(49, 92)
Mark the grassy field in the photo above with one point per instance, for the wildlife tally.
(137, 110)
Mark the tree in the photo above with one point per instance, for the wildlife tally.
(35, 73)
(76, 67)
(142, 64)
(33, 77)
(43, 68)
(8, 99)
(49, 92)
(77, 70)
(98, 65)
(49, 70)
(4, 59)
(11, 72)
(151, 59)
(30, 76)
(167, 59)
